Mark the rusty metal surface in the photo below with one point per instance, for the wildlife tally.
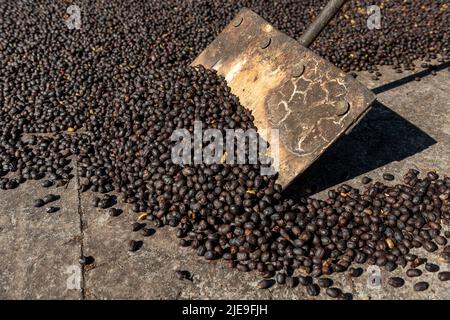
(287, 87)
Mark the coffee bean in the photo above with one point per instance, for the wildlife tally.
(134, 245)
(86, 260)
(82, 260)
(52, 209)
(325, 282)
(445, 257)
(38, 203)
(440, 240)
(114, 212)
(430, 246)
(444, 276)
(388, 177)
(431, 267)
(390, 266)
(266, 283)
(345, 296)
(183, 275)
(355, 272)
(413, 272)
(210, 255)
(291, 282)
(313, 290)
(304, 280)
(280, 278)
(50, 198)
(147, 232)
(396, 282)
(366, 180)
(136, 226)
(333, 292)
(47, 183)
(421, 286)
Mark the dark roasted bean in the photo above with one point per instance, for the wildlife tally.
(313, 290)
(52, 209)
(333, 292)
(50, 198)
(355, 272)
(38, 203)
(136, 226)
(147, 232)
(325, 282)
(413, 273)
(47, 183)
(114, 212)
(440, 240)
(396, 282)
(305, 280)
(430, 246)
(134, 245)
(444, 276)
(280, 278)
(421, 286)
(183, 274)
(366, 180)
(210, 255)
(431, 267)
(266, 283)
(291, 282)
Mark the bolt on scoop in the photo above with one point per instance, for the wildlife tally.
(287, 87)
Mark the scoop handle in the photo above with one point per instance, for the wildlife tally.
(314, 30)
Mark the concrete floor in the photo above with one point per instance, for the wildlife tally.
(408, 127)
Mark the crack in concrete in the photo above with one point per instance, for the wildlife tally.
(81, 217)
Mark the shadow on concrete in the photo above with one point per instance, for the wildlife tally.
(381, 137)
(410, 78)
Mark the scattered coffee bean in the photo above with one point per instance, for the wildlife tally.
(440, 240)
(444, 276)
(313, 290)
(280, 278)
(47, 183)
(444, 257)
(421, 286)
(86, 260)
(355, 272)
(147, 232)
(366, 180)
(413, 273)
(325, 282)
(266, 283)
(396, 282)
(291, 282)
(50, 198)
(333, 292)
(183, 275)
(52, 209)
(431, 267)
(304, 280)
(134, 245)
(136, 226)
(430, 246)
(114, 212)
(39, 203)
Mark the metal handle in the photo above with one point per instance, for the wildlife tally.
(314, 30)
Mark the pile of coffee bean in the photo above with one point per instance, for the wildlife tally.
(110, 95)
